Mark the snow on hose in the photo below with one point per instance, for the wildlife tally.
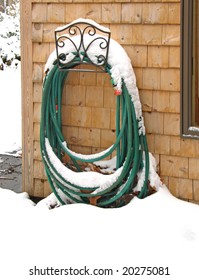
(134, 172)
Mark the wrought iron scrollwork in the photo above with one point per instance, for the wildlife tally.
(83, 42)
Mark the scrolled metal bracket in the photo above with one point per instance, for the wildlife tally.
(82, 42)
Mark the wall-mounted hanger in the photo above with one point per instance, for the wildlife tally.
(85, 42)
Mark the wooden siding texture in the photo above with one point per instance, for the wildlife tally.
(149, 31)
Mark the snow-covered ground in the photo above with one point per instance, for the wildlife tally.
(10, 109)
(160, 233)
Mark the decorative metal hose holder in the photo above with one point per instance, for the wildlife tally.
(84, 42)
(75, 41)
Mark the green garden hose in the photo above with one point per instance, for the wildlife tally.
(132, 157)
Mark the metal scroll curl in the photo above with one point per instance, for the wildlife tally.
(82, 42)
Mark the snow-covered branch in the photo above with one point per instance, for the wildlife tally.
(10, 34)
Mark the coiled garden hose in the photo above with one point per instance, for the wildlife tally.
(132, 156)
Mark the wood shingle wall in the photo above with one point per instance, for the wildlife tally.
(150, 33)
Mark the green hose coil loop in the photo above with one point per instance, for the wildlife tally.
(130, 145)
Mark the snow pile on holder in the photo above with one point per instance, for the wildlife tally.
(134, 172)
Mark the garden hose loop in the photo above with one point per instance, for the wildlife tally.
(132, 157)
